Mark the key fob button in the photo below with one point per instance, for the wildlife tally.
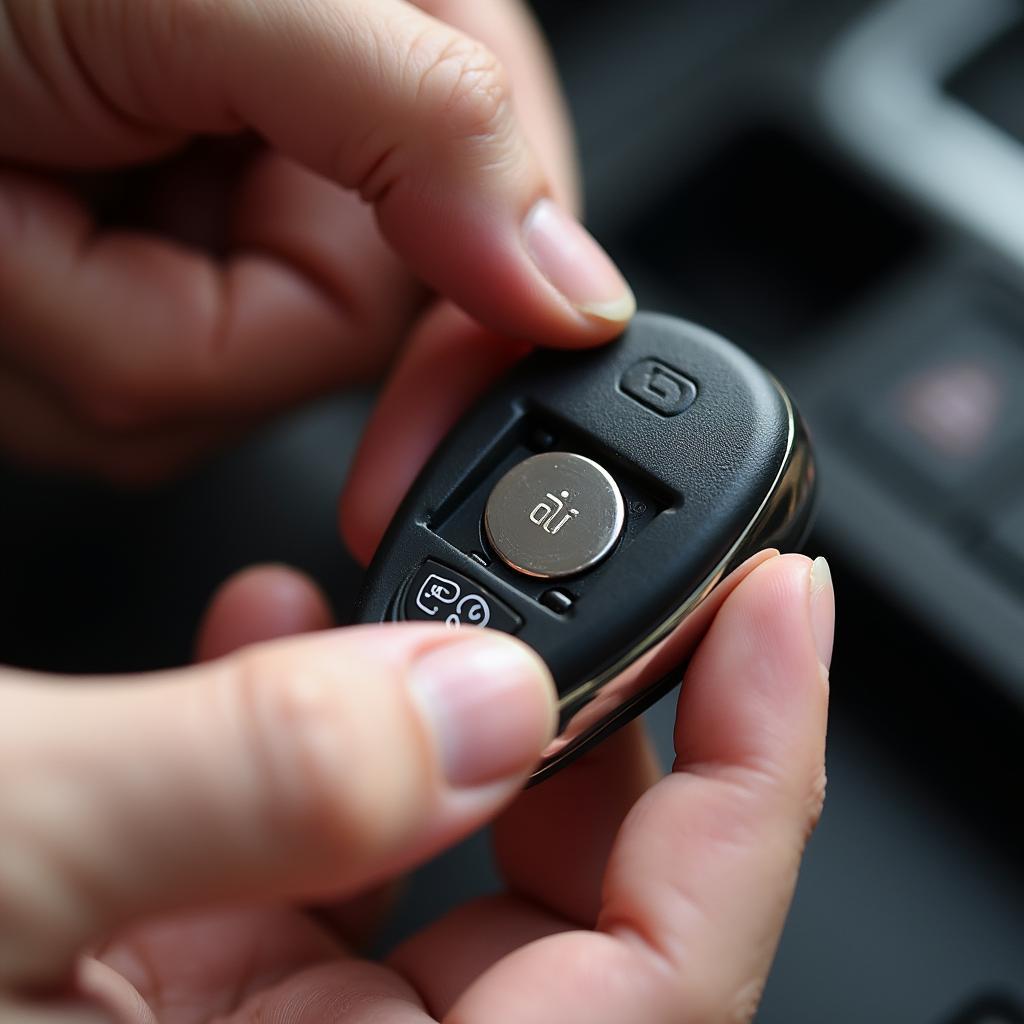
(554, 515)
(437, 593)
(559, 601)
(659, 387)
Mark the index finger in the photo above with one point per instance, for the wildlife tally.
(507, 27)
(450, 360)
(378, 96)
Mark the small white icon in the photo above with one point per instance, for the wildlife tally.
(437, 590)
(472, 609)
(544, 514)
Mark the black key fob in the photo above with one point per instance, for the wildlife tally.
(591, 504)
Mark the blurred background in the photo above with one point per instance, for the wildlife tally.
(838, 186)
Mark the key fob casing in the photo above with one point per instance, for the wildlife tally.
(659, 463)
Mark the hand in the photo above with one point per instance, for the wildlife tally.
(312, 768)
(250, 275)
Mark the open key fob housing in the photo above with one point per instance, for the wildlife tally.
(591, 504)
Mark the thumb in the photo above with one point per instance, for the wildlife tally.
(374, 94)
(301, 768)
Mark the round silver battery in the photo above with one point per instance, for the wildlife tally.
(554, 515)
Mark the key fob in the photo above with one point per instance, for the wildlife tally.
(591, 504)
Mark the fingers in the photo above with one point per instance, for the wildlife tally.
(703, 871)
(261, 603)
(194, 968)
(563, 872)
(297, 769)
(375, 95)
(705, 868)
(69, 1012)
(36, 426)
(147, 331)
(218, 958)
(345, 992)
(448, 361)
(507, 28)
(444, 959)
(551, 845)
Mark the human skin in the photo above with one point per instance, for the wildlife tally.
(162, 837)
(165, 837)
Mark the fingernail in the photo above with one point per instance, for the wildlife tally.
(823, 610)
(489, 704)
(572, 261)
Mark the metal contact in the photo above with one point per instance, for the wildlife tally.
(554, 515)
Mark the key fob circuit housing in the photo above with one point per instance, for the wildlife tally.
(591, 503)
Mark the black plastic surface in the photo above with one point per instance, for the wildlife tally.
(693, 482)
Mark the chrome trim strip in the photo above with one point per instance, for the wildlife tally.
(746, 543)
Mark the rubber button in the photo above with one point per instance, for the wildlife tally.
(660, 388)
(559, 601)
(437, 593)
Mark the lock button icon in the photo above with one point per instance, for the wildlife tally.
(658, 387)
